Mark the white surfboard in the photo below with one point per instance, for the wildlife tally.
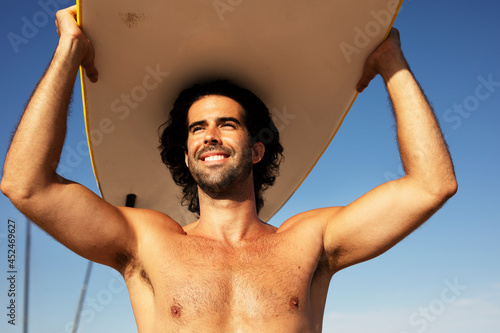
(302, 58)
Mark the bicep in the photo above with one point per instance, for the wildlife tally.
(83, 222)
(377, 221)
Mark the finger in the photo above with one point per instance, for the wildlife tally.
(65, 18)
(394, 34)
(362, 84)
(88, 64)
(91, 72)
(368, 75)
(72, 10)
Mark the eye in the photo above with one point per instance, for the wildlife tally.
(228, 124)
(195, 129)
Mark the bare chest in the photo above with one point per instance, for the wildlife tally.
(251, 283)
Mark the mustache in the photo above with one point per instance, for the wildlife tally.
(218, 148)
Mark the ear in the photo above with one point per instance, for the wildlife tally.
(258, 150)
(186, 159)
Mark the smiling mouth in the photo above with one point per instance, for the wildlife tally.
(214, 153)
(214, 158)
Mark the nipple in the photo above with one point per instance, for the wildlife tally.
(176, 311)
(294, 303)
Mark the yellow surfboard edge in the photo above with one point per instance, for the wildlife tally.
(84, 101)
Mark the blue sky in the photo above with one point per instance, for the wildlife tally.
(445, 277)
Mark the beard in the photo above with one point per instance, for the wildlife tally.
(223, 177)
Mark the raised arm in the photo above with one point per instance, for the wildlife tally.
(384, 216)
(71, 213)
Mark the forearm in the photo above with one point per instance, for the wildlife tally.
(397, 207)
(424, 153)
(34, 153)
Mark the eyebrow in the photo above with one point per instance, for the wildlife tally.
(219, 120)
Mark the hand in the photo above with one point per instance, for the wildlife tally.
(385, 60)
(68, 30)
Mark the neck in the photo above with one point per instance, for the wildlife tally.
(230, 216)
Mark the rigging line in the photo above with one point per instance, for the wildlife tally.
(27, 274)
(82, 297)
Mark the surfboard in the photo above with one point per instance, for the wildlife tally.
(302, 58)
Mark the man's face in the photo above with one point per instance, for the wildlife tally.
(219, 152)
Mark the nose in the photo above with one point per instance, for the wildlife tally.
(212, 136)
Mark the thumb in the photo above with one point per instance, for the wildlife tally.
(88, 64)
(368, 74)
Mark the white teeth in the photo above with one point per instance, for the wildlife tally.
(214, 158)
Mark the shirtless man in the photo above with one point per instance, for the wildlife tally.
(228, 271)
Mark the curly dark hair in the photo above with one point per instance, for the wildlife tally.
(257, 119)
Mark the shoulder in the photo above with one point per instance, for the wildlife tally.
(310, 220)
(145, 221)
(149, 229)
(305, 233)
